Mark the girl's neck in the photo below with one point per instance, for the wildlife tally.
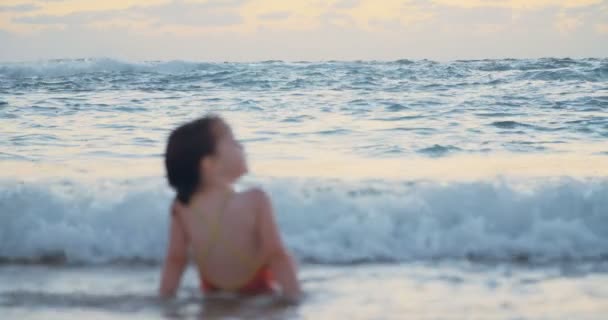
(215, 189)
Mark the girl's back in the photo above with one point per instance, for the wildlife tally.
(224, 237)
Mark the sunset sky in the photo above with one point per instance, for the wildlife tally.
(248, 30)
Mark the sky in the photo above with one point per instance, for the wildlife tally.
(295, 30)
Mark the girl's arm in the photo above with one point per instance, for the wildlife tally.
(274, 253)
(176, 258)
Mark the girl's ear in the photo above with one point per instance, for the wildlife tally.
(206, 164)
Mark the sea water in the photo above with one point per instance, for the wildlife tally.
(406, 189)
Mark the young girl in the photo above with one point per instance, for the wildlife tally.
(232, 236)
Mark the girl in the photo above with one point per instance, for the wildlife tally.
(232, 236)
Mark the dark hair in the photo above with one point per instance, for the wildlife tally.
(187, 145)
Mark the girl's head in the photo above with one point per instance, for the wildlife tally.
(202, 153)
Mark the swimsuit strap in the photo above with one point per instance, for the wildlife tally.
(215, 229)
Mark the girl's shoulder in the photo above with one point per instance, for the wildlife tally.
(256, 196)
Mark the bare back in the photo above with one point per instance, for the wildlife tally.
(223, 236)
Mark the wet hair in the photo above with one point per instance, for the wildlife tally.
(186, 146)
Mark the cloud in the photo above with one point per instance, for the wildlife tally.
(566, 24)
(304, 29)
(469, 16)
(65, 7)
(347, 4)
(177, 13)
(338, 20)
(278, 15)
(71, 19)
(210, 13)
(369, 14)
(602, 28)
(326, 43)
(517, 4)
(216, 3)
(26, 7)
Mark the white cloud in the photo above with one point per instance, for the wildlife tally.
(71, 19)
(519, 4)
(305, 30)
(210, 13)
(278, 15)
(566, 24)
(602, 28)
(347, 4)
(26, 7)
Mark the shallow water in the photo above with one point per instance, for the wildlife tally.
(403, 291)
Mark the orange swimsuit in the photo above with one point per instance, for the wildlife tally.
(260, 283)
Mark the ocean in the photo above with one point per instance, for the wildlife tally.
(409, 189)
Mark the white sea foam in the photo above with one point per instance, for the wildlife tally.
(324, 221)
(69, 67)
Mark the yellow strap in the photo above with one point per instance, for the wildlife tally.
(214, 234)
